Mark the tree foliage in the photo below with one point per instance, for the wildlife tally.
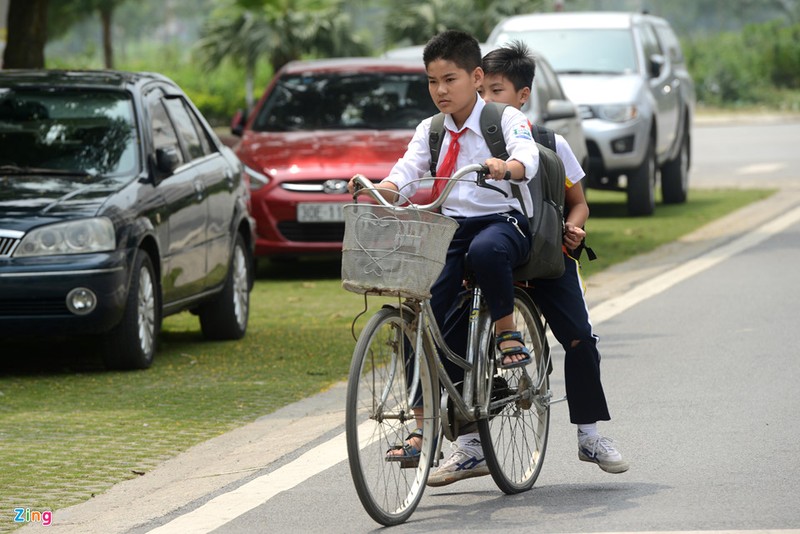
(278, 30)
(745, 67)
(414, 22)
(741, 51)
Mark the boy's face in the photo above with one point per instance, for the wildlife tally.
(498, 88)
(453, 89)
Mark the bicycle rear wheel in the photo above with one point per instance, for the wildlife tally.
(379, 417)
(514, 437)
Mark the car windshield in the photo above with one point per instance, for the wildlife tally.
(372, 100)
(81, 132)
(581, 51)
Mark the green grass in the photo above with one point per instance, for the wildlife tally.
(616, 237)
(69, 429)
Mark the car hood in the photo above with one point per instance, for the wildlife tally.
(323, 154)
(29, 200)
(593, 89)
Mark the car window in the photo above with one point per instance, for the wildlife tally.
(186, 128)
(669, 43)
(548, 82)
(579, 51)
(372, 100)
(164, 135)
(89, 132)
(649, 42)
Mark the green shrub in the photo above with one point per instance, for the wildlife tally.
(755, 66)
(217, 93)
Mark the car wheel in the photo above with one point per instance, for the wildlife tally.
(642, 185)
(226, 316)
(132, 343)
(675, 174)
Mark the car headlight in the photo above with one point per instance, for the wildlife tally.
(73, 237)
(617, 112)
(257, 179)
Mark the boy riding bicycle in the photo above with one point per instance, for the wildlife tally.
(492, 230)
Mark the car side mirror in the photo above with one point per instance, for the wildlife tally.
(166, 160)
(238, 122)
(560, 109)
(656, 63)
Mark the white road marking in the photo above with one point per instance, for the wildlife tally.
(611, 307)
(761, 168)
(228, 506)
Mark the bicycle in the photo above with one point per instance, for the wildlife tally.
(399, 252)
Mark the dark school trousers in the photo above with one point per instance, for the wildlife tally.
(493, 246)
(562, 303)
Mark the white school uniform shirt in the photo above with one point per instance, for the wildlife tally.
(573, 169)
(467, 199)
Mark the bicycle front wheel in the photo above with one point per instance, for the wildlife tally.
(379, 416)
(514, 436)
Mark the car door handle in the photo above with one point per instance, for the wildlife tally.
(199, 188)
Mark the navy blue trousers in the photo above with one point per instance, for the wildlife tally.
(562, 303)
(493, 246)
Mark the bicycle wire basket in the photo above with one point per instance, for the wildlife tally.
(391, 251)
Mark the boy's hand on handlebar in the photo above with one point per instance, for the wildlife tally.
(351, 185)
(498, 169)
(386, 189)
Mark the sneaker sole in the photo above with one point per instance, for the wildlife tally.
(615, 468)
(455, 476)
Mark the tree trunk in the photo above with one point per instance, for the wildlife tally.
(108, 46)
(27, 34)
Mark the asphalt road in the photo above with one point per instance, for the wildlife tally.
(700, 369)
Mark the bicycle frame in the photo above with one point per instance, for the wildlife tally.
(473, 402)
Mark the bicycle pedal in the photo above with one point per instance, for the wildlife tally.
(411, 463)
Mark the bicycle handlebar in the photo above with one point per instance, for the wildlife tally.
(362, 184)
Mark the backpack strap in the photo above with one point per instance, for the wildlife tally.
(544, 136)
(435, 139)
(491, 126)
(491, 120)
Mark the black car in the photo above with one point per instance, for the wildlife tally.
(118, 206)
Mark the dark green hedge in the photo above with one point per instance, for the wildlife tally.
(759, 65)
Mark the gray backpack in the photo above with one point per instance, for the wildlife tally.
(546, 259)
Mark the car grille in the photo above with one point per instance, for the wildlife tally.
(331, 187)
(16, 308)
(310, 232)
(7, 246)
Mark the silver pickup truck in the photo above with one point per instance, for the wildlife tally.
(626, 73)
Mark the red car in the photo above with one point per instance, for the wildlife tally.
(318, 123)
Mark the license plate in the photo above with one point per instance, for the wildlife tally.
(320, 212)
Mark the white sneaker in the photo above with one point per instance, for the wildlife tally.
(465, 461)
(599, 450)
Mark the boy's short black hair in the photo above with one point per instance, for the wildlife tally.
(513, 61)
(454, 45)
